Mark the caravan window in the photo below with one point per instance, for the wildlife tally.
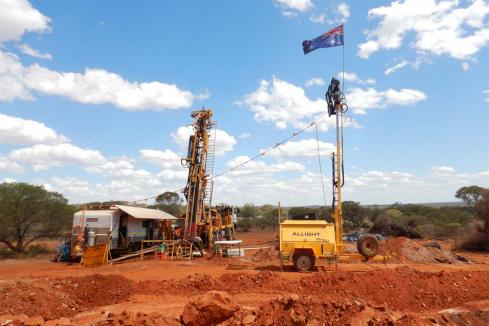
(92, 219)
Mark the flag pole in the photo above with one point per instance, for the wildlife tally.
(343, 61)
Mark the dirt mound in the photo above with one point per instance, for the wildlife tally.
(306, 310)
(402, 250)
(124, 318)
(96, 290)
(211, 308)
(135, 318)
(264, 255)
(191, 285)
(52, 299)
(245, 282)
(200, 283)
(401, 289)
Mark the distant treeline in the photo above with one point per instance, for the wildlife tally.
(467, 221)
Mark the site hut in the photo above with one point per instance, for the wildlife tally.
(123, 227)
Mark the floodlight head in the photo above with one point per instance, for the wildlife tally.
(333, 96)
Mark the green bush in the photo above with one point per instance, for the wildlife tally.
(417, 221)
(31, 251)
(244, 224)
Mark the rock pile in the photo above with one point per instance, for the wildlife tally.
(406, 250)
(211, 308)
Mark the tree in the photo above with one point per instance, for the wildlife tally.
(249, 210)
(265, 208)
(29, 213)
(478, 239)
(170, 202)
(470, 195)
(482, 207)
(354, 213)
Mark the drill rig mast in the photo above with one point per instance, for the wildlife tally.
(196, 162)
(337, 106)
(201, 219)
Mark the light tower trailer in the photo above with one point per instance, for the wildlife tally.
(305, 241)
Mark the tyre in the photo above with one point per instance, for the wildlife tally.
(304, 262)
(368, 245)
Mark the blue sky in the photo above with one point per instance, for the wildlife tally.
(95, 97)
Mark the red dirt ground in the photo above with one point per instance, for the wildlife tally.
(251, 291)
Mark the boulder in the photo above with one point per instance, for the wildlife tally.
(4, 319)
(35, 321)
(211, 308)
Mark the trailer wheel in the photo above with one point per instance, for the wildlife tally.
(304, 262)
(368, 245)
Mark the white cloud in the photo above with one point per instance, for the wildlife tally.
(341, 13)
(344, 11)
(465, 66)
(441, 171)
(486, 92)
(303, 148)
(260, 167)
(314, 81)
(299, 5)
(18, 17)
(353, 77)
(93, 86)
(359, 99)
(26, 49)
(15, 130)
(394, 186)
(11, 84)
(319, 19)
(9, 166)
(420, 59)
(443, 27)
(224, 141)
(244, 135)
(396, 67)
(8, 180)
(98, 86)
(70, 185)
(167, 158)
(367, 187)
(43, 156)
(285, 104)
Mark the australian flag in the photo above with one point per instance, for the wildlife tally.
(329, 39)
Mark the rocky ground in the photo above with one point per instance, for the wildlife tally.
(421, 283)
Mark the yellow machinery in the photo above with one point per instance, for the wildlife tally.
(305, 241)
(201, 219)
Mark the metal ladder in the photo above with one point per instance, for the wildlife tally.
(209, 166)
(334, 157)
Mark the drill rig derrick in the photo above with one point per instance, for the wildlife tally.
(337, 106)
(196, 160)
(201, 219)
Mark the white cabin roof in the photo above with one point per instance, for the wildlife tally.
(146, 213)
(136, 212)
(95, 213)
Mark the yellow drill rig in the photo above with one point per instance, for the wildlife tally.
(201, 218)
(305, 241)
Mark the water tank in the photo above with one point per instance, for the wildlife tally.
(91, 238)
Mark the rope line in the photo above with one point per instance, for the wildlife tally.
(265, 151)
(320, 166)
(295, 134)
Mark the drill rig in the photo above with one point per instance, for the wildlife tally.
(337, 107)
(305, 241)
(201, 219)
